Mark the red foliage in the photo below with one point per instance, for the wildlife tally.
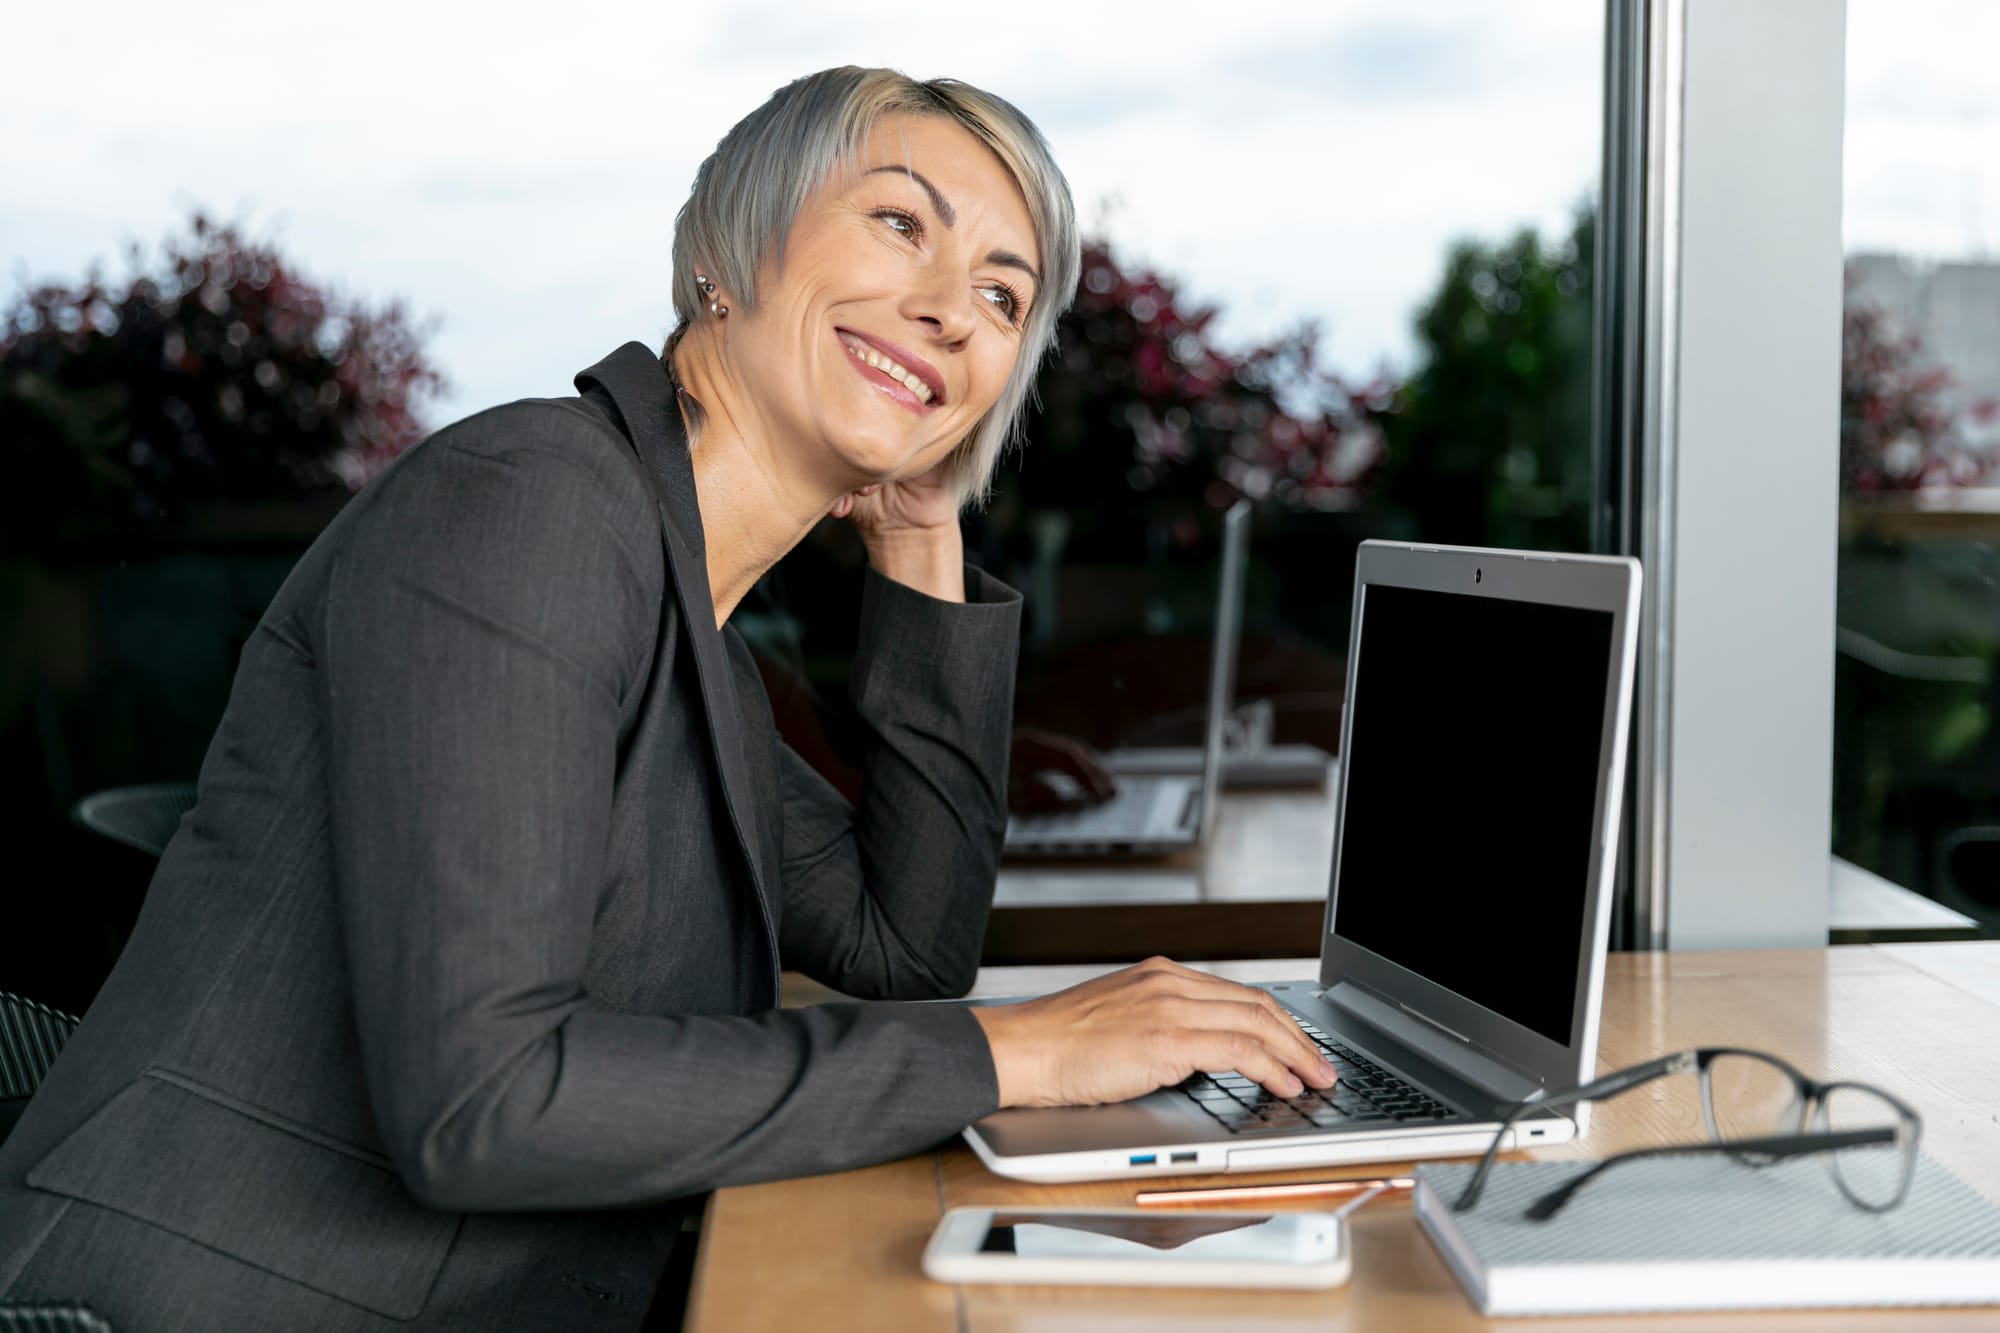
(1141, 396)
(219, 374)
(1897, 432)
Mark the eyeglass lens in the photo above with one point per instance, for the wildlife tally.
(1874, 1175)
(1745, 1097)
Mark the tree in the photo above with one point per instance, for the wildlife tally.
(1141, 400)
(219, 374)
(1488, 443)
(1896, 431)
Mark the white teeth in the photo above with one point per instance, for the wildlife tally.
(914, 383)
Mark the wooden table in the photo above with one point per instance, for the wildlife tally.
(1258, 890)
(840, 1252)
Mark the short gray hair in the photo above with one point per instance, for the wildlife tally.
(750, 189)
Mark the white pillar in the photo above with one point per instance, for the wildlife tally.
(1747, 423)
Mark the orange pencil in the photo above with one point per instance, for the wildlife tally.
(1305, 1189)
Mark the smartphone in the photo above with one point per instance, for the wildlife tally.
(1134, 1247)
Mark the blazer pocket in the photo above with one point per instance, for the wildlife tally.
(258, 1187)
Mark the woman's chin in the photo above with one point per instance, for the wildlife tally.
(873, 462)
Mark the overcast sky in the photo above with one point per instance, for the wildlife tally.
(514, 170)
(1922, 163)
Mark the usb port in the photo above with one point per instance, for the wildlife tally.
(1187, 1157)
(1144, 1158)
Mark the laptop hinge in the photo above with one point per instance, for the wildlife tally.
(1435, 1041)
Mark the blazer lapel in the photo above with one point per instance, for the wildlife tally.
(643, 395)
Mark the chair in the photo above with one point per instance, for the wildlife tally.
(143, 817)
(31, 1034)
(1916, 756)
(1970, 858)
(51, 1318)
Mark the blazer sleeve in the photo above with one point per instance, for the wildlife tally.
(491, 607)
(891, 899)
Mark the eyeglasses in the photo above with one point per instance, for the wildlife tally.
(1757, 1110)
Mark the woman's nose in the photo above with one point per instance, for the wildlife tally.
(943, 304)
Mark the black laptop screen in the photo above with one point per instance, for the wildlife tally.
(1471, 773)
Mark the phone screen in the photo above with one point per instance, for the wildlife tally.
(1248, 1238)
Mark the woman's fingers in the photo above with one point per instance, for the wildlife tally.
(1152, 1024)
(1076, 759)
(844, 506)
(1217, 1050)
(1276, 1027)
(1294, 1065)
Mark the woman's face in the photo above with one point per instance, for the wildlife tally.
(896, 317)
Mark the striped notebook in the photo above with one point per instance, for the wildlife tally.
(1706, 1233)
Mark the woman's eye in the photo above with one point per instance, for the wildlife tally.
(1005, 299)
(901, 223)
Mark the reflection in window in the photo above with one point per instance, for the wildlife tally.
(1344, 270)
(1917, 692)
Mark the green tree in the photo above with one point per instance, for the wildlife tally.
(1488, 443)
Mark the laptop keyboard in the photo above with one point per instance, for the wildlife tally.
(1128, 814)
(1366, 1094)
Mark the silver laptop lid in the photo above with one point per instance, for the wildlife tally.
(1222, 658)
(1481, 780)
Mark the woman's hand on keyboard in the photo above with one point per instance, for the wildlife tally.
(1147, 1027)
(1047, 772)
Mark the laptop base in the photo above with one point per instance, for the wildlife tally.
(1162, 1134)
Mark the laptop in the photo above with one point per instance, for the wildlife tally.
(1251, 761)
(1157, 812)
(1481, 779)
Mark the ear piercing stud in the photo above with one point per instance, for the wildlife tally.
(715, 307)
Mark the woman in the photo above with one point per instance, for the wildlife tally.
(464, 970)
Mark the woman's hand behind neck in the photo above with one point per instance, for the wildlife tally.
(758, 501)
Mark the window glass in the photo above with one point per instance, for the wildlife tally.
(1917, 695)
(1340, 263)
(1338, 260)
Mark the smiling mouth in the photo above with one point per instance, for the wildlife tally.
(917, 385)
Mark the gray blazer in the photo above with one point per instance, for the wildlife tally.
(465, 967)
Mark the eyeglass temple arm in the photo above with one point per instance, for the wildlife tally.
(1623, 1080)
(1774, 1149)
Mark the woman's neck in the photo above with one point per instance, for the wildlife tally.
(755, 504)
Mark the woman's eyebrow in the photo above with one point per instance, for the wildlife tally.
(949, 216)
(946, 213)
(1009, 259)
